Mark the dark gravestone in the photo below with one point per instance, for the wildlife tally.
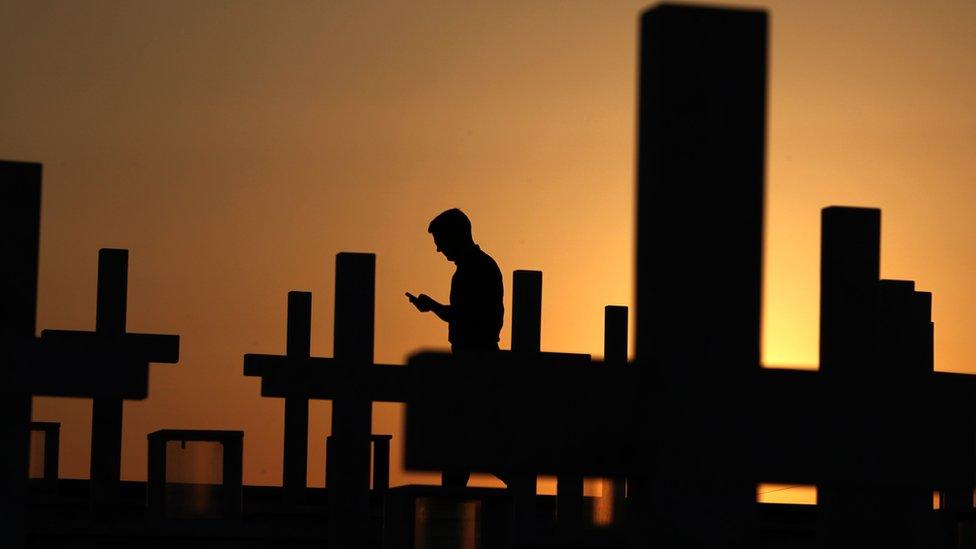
(191, 498)
(381, 463)
(20, 214)
(107, 365)
(875, 374)
(701, 149)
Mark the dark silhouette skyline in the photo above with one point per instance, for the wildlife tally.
(877, 429)
(187, 185)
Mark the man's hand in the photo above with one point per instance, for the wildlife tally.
(422, 302)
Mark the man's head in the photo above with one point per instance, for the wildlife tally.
(452, 233)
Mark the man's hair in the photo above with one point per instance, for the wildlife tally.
(452, 221)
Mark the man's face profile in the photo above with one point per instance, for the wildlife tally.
(445, 245)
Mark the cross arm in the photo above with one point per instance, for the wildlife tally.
(73, 363)
(75, 371)
(519, 412)
(896, 429)
(326, 378)
(148, 347)
(801, 426)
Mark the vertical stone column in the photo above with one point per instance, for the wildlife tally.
(850, 249)
(850, 258)
(20, 215)
(701, 162)
(347, 470)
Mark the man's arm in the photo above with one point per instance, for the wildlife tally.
(424, 303)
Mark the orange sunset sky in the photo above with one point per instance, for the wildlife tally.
(236, 147)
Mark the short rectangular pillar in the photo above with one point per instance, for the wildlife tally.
(850, 262)
(526, 311)
(609, 508)
(924, 331)
(381, 463)
(178, 491)
(44, 452)
(900, 336)
(381, 459)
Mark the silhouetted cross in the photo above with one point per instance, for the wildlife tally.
(108, 365)
(350, 380)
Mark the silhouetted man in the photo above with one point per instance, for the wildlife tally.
(474, 313)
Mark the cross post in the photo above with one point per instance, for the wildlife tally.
(298, 347)
(347, 471)
(106, 434)
(350, 380)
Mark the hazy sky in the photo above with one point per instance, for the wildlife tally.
(236, 147)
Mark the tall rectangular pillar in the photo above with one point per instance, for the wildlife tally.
(701, 166)
(347, 471)
(526, 338)
(20, 215)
